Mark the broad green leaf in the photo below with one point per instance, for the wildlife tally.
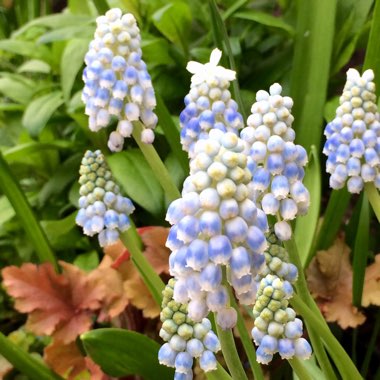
(62, 234)
(39, 111)
(71, 63)
(312, 368)
(81, 7)
(34, 66)
(306, 225)
(87, 261)
(174, 21)
(122, 353)
(68, 32)
(330, 109)
(15, 87)
(360, 252)
(156, 51)
(63, 176)
(55, 21)
(29, 49)
(135, 175)
(6, 210)
(265, 19)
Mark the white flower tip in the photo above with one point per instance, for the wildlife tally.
(352, 74)
(215, 56)
(275, 89)
(368, 75)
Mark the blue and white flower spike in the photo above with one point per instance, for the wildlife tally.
(276, 327)
(353, 137)
(208, 104)
(103, 210)
(275, 161)
(216, 225)
(186, 340)
(117, 83)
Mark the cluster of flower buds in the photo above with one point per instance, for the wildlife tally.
(117, 83)
(276, 327)
(208, 104)
(353, 137)
(216, 225)
(275, 161)
(277, 261)
(102, 210)
(185, 338)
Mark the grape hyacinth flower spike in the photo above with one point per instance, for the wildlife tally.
(102, 210)
(117, 83)
(186, 339)
(208, 104)
(216, 228)
(353, 137)
(275, 161)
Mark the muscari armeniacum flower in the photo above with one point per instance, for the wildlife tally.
(208, 104)
(216, 226)
(186, 339)
(353, 137)
(102, 210)
(275, 161)
(276, 327)
(117, 83)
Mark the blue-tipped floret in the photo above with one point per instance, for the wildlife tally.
(353, 138)
(186, 339)
(208, 104)
(216, 225)
(275, 161)
(103, 210)
(117, 84)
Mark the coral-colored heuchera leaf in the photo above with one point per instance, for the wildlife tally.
(330, 280)
(154, 239)
(59, 305)
(371, 290)
(67, 361)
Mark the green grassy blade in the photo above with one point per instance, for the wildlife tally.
(101, 6)
(219, 374)
(360, 252)
(122, 353)
(222, 41)
(372, 58)
(24, 362)
(332, 219)
(171, 133)
(16, 197)
(306, 226)
(311, 68)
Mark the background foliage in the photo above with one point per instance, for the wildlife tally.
(304, 45)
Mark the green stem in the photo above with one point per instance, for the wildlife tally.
(302, 289)
(341, 359)
(152, 280)
(24, 362)
(24, 212)
(158, 167)
(230, 353)
(373, 197)
(246, 340)
(299, 369)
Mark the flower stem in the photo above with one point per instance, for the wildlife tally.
(303, 292)
(373, 197)
(342, 360)
(158, 167)
(230, 353)
(299, 369)
(28, 220)
(246, 340)
(24, 362)
(152, 280)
